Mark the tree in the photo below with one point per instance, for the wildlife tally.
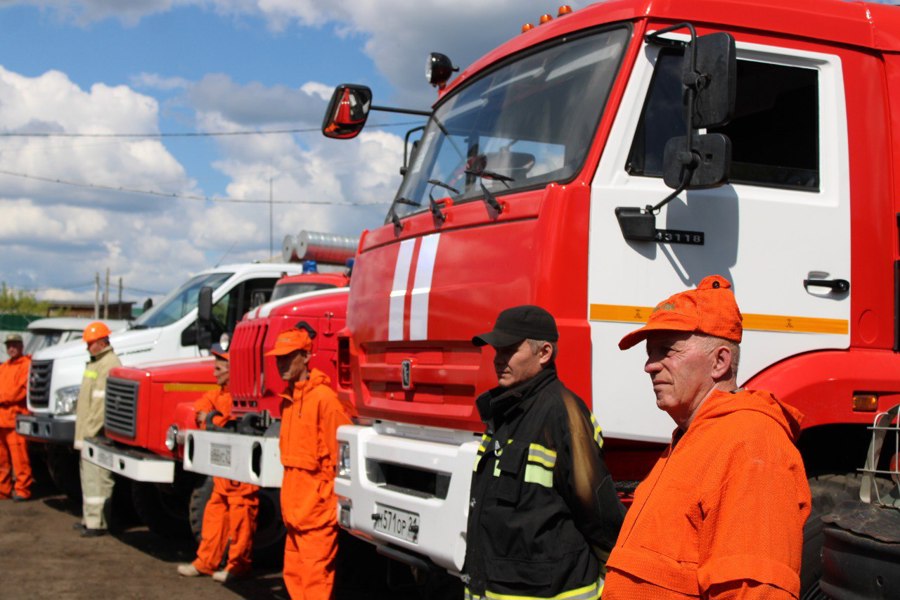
(20, 302)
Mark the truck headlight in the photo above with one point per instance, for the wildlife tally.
(172, 437)
(66, 400)
(343, 464)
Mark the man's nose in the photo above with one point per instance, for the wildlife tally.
(651, 366)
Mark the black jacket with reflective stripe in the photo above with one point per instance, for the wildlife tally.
(529, 531)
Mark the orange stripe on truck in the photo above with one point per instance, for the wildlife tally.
(639, 314)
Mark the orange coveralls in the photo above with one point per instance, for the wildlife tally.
(721, 514)
(309, 421)
(230, 513)
(13, 451)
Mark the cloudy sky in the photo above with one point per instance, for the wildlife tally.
(79, 195)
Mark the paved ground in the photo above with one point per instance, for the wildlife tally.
(41, 556)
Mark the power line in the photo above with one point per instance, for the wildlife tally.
(177, 196)
(186, 134)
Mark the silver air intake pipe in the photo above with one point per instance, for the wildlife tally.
(326, 248)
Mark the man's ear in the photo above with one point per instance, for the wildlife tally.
(721, 368)
(545, 353)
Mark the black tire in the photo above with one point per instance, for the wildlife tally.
(163, 508)
(64, 467)
(827, 491)
(268, 541)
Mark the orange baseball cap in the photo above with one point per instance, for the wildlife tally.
(290, 341)
(95, 331)
(710, 309)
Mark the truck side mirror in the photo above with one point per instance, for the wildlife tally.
(715, 75)
(704, 164)
(204, 318)
(347, 111)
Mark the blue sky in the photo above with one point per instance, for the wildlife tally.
(180, 66)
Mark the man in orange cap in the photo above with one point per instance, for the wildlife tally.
(229, 518)
(721, 514)
(96, 482)
(13, 451)
(310, 415)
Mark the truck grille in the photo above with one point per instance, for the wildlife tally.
(121, 406)
(246, 349)
(39, 383)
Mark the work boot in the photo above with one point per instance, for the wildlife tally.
(188, 570)
(78, 526)
(18, 498)
(88, 532)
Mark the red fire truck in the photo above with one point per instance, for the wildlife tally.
(597, 163)
(149, 408)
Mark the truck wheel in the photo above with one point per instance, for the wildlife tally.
(268, 542)
(162, 509)
(828, 491)
(64, 466)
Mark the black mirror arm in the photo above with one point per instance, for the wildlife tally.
(681, 187)
(404, 111)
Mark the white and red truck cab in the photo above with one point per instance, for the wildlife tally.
(545, 175)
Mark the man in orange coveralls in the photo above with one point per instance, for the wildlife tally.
(721, 514)
(229, 518)
(13, 451)
(310, 416)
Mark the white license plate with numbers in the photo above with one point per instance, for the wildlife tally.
(397, 523)
(220, 455)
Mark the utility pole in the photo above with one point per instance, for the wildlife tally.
(119, 310)
(271, 252)
(106, 297)
(97, 295)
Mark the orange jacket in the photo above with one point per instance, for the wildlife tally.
(721, 514)
(13, 389)
(220, 399)
(310, 417)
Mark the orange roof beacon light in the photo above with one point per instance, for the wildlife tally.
(546, 18)
(565, 9)
(527, 27)
(438, 69)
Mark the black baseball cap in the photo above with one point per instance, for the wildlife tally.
(519, 323)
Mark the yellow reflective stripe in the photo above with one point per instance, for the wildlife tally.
(88, 374)
(588, 592)
(598, 433)
(189, 387)
(541, 455)
(539, 475)
(786, 323)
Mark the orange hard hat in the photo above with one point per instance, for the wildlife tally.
(95, 331)
(710, 309)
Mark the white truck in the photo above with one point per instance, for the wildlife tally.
(168, 330)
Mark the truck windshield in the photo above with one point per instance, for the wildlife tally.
(180, 302)
(42, 338)
(292, 289)
(526, 123)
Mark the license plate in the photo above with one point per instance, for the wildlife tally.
(23, 427)
(105, 459)
(398, 523)
(220, 455)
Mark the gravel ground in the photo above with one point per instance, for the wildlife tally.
(42, 556)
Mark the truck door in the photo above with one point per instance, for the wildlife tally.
(783, 219)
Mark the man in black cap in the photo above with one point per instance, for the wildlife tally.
(543, 513)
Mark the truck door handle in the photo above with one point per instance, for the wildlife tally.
(839, 286)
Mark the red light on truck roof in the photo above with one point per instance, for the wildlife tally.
(565, 9)
(546, 18)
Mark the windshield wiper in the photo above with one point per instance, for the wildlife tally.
(489, 197)
(436, 211)
(395, 219)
